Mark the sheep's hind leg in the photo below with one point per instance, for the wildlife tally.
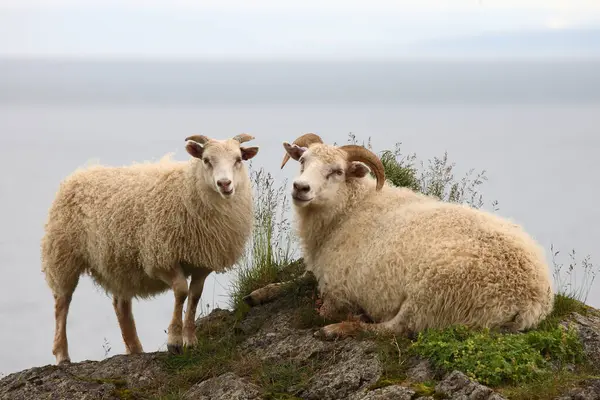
(396, 325)
(60, 348)
(176, 279)
(195, 292)
(63, 286)
(127, 324)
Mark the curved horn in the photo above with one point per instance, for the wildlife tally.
(243, 137)
(198, 138)
(303, 141)
(359, 153)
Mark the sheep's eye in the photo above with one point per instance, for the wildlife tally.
(238, 160)
(206, 161)
(338, 172)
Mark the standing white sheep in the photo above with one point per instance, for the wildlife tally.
(409, 261)
(142, 229)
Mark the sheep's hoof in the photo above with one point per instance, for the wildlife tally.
(190, 343)
(175, 349)
(340, 330)
(66, 361)
(249, 300)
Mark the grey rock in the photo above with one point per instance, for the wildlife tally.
(589, 391)
(457, 385)
(588, 329)
(394, 392)
(279, 339)
(228, 386)
(357, 368)
(420, 372)
(87, 380)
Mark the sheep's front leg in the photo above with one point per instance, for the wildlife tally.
(272, 291)
(176, 279)
(195, 292)
(127, 324)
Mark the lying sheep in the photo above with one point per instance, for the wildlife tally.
(140, 230)
(408, 260)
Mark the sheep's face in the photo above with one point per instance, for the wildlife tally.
(324, 172)
(221, 163)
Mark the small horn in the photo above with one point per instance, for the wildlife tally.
(243, 137)
(198, 138)
(359, 153)
(303, 141)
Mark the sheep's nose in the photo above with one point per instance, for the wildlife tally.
(223, 183)
(301, 186)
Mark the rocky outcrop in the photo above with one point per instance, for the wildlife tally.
(108, 379)
(273, 335)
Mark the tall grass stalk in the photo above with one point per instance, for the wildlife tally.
(271, 245)
(566, 280)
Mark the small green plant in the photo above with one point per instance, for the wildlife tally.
(393, 354)
(435, 179)
(494, 358)
(563, 306)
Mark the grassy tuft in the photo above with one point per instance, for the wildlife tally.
(394, 356)
(572, 286)
(214, 355)
(435, 178)
(270, 248)
(285, 379)
(563, 307)
(551, 387)
(496, 359)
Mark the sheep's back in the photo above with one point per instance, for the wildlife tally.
(449, 260)
(126, 223)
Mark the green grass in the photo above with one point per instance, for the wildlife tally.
(496, 359)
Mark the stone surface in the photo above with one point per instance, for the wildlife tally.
(458, 386)
(421, 371)
(107, 379)
(588, 328)
(589, 391)
(357, 367)
(394, 392)
(228, 386)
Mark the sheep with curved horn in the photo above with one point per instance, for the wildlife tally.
(408, 261)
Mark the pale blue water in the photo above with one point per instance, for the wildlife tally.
(541, 161)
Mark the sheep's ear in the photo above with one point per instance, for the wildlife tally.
(293, 150)
(195, 149)
(248, 152)
(357, 170)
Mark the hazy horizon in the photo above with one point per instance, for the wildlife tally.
(411, 81)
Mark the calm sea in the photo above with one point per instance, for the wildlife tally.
(534, 127)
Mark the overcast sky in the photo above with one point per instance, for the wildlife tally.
(269, 28)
